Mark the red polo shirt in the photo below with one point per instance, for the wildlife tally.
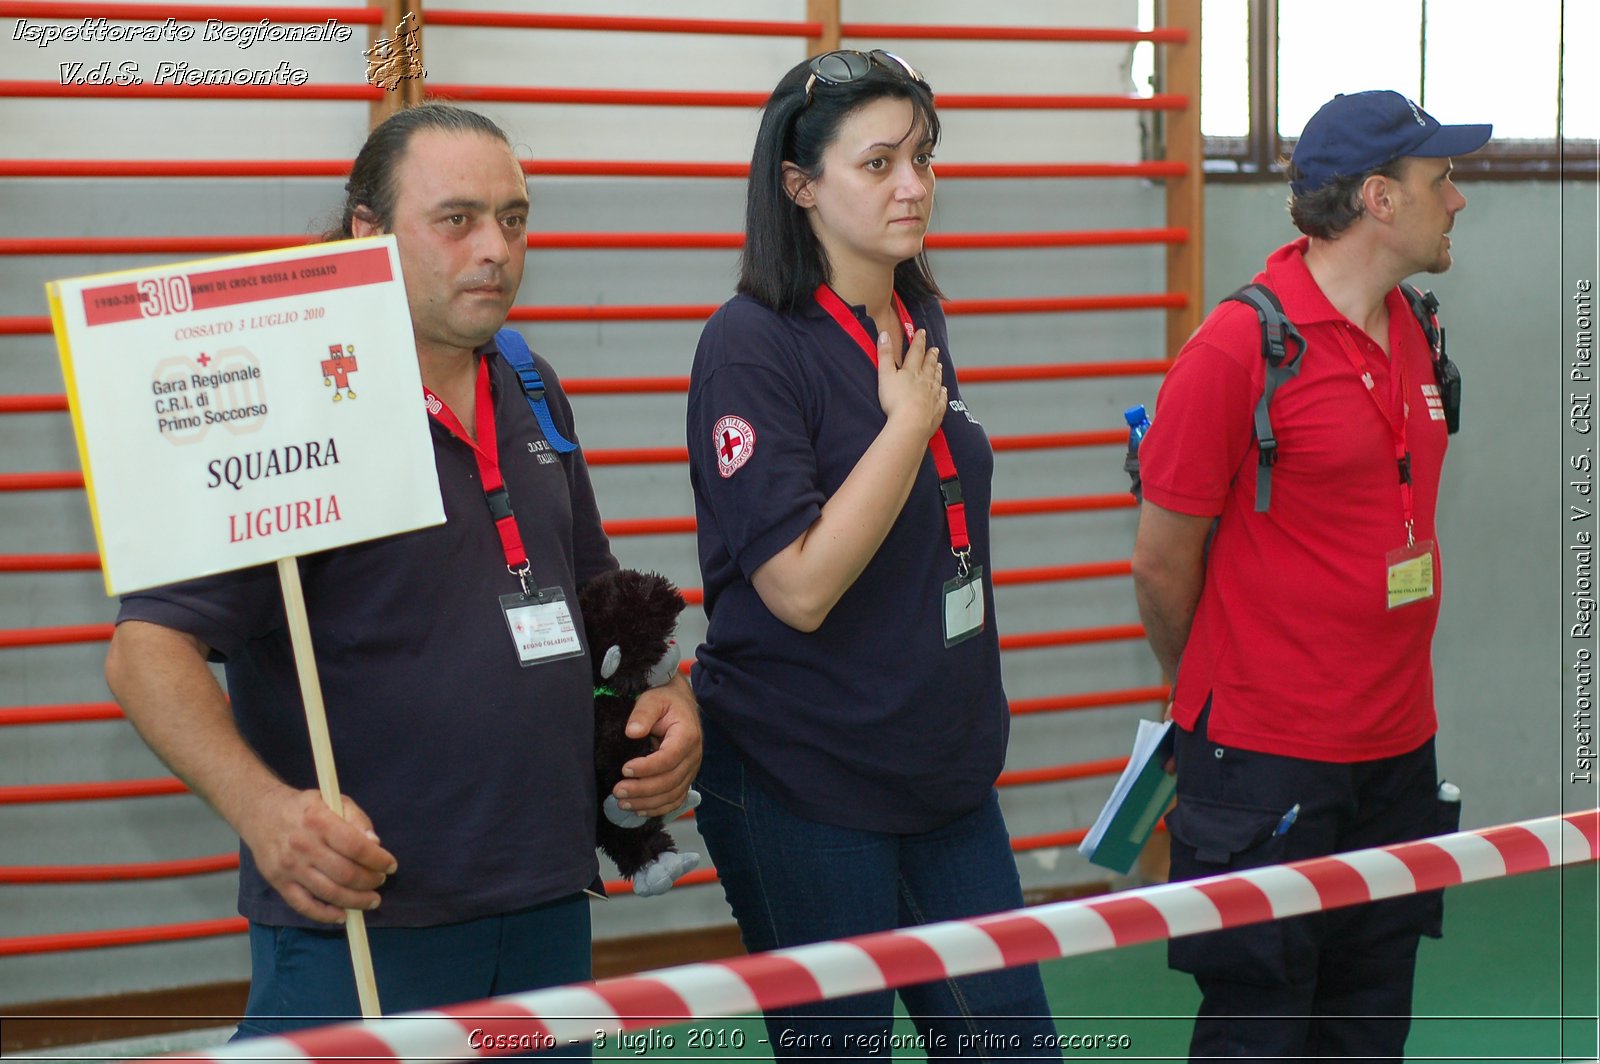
(1293, 639)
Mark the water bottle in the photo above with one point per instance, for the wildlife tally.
(1138, 424)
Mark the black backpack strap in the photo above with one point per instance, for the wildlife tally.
(1425, 306)
(1277, 333)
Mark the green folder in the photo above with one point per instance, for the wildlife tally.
(1140, 796)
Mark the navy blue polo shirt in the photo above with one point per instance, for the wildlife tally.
(870, 722)
(477, 773)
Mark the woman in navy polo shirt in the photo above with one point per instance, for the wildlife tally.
(850, 678)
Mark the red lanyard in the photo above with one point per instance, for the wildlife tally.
(1394, 415)
(955, 509)
(486, 451)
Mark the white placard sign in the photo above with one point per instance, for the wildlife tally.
(237, 411)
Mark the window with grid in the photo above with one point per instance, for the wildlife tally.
(1529, 68)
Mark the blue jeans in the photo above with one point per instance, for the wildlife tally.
(302, 978)
(792, 881)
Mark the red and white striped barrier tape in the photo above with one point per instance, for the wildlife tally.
(826, 970)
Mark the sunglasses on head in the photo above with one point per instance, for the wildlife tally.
(847, 65)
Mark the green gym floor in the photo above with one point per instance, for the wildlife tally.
(1514, 978)
(1518, 955)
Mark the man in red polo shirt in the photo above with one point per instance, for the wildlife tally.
(1300, 638)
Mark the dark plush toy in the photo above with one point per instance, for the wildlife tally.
(629, 618)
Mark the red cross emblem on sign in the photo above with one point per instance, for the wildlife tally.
(735, 442)
(336, 370)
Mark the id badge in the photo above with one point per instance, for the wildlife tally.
(1410, 571)
(963, 606)
(541, 626)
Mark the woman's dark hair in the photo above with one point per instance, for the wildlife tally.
(783, 262)
(1333, 208)
(371, 188)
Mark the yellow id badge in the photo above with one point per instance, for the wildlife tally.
(1410, 574)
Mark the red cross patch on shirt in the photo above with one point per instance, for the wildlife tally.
(734, 441)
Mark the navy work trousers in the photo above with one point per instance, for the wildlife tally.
(1324, 985)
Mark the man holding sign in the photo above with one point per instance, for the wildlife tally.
(458, 697)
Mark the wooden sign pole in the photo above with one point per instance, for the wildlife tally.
(355, 922)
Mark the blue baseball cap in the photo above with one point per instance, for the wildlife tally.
(1352, 134)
